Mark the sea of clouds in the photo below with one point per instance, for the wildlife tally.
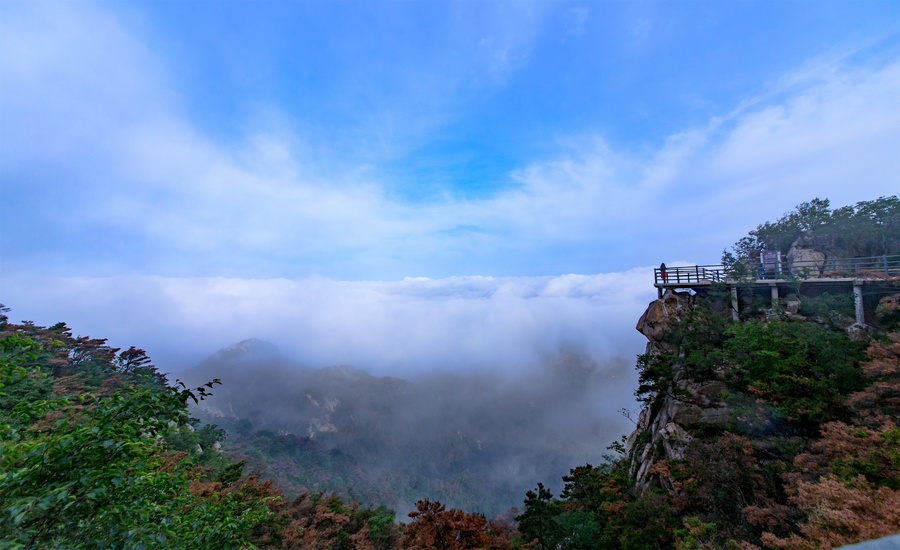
(400, 328)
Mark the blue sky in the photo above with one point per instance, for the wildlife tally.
(183, 143)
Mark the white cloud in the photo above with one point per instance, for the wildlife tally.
(401, 327)
(844, 116)
(72, 79)
(92, 101)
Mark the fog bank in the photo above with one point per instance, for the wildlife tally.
(416, 325)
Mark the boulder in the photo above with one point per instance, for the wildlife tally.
(683, 413)
(792, 303)
(675, 440)
(805, 262)
(710, 392)
(660, 314)
(688, 414)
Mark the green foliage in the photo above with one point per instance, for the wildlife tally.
(199, 441)
(803, 369)
(869, 228)
(382, 531)
(696, 535)
(697, 340)
(581, 528)
(101, 476)
(646, 522)
(596, 510)
(95, 470)
(826, 305)
(888, 313)
(700, 338)
(230, 473)
(808, 216)
(655, 375)
(21, 380)
(540, 520)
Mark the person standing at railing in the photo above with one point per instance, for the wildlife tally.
(662, 273)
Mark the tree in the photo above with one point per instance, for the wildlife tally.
(436, 528)
(94, 470)
(868, 228)
(540, 521)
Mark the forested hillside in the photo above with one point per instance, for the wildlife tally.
(98, 450)
(778, 431)
(471, 440)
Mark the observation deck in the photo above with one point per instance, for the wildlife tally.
(832, 274)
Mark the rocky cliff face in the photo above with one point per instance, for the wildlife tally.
(697, 404)
(662, 431)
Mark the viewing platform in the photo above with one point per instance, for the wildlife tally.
(839, 274)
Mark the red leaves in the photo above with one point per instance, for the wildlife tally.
(436, 528)
(848, 486)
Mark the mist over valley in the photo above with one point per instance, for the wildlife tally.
(406, 275)
(474, 440)
(466, 389)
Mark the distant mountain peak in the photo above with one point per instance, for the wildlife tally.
(250, 349)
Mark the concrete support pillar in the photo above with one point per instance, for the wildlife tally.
(858, 302)
(734, 303)
(659, 292)
(774, 288)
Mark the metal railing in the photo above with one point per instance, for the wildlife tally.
(690, 274)
(873, 267)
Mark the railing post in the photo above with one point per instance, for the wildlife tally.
(858, 303)
(735, 315)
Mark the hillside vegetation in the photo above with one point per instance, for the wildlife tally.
(779, 431)
(471, 440)
(787, 437)
(98, 451)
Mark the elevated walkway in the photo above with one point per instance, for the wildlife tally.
(839, 274)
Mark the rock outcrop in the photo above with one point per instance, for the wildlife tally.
(806, 262)
(663, 427)
(806, 258)
(659, 317)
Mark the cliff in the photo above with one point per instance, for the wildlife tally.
(755, 427)
(774, 428)
(662, 427)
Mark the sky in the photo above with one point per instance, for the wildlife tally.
(398, 184)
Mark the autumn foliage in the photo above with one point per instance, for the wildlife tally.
(848, 484)
(436, 528)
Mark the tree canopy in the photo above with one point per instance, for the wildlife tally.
(868, 228)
